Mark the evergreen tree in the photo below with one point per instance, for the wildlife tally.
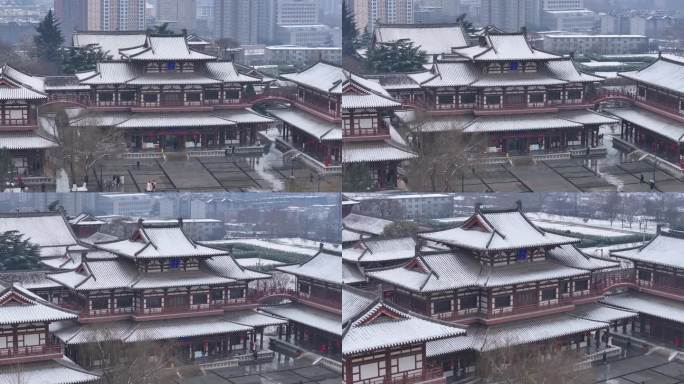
(395, 56)
(468, 26)
(365, 39)
(75, 59)
(49, 39)
(17, 253)
(349, 30)
(162, 29)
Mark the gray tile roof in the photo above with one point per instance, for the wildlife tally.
(667, 73)
(664, 249)
(392, 328)
(164, 48)
(502, 230)
(154, 242)
(19, 305)
(312, 317)
(310, 124)
(648, 304)
(26, 140)
(33, 226)
(669, 128)
(432, 39)
(323, 266)
(380, 151)
(252, 319)
(58, 371)
(570, 256)
(365, 224)
(22, 86)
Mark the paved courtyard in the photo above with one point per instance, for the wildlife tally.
(210, 174)
(567, 176)
(645, 369)
(294, 372)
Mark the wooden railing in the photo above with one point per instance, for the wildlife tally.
(30, 351)
(432, 374)
(255, 296)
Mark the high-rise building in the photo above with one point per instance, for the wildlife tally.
(73, 15)
(508, 15)
(115, 15)
(297, 12)
(370, 12)
(180, 14)
(266, 21)
(562, 5)
(237, 19)
(436, 11)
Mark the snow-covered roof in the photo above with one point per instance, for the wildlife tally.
(570, 256)
(584, 318)
(498, 230)
(320, 76)
(448, 271)
(566, 70)
(519, 123)
(324, 266)
(120, 72)
(354, 301)
(351, 236)
(33, 226)
(226, 266)
(505, 47)
(365, 224)
(380, 151)
(648, 304)
(16, 85)
(351, 273)
(126, 120)
(361, 92)
(587, 117)
(312, 317)
(664, 126)
(18, 305)
(432, 39)
(25, 140)
(252, 319)
(164, 48)
(93, 275)
(378, 251)
(385, 326)
(109, 43)
(665, 249)
(667, 73)
(155, 242)
(600, 312)
(73, 333)
(57, 371)
(322, 130)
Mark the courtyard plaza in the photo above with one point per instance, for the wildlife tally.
(208, 174)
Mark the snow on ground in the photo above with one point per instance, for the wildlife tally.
(581, 229)
(617, 225)
(290, 245)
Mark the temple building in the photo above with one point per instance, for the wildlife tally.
(312, 123)
(165, 96)
(508, 283)
(654, 121)
(29, 353)
(160, 285)
(20, 132)
(515, 99)
(314, 310)
(373, 148)
(656, 288)
(384, 343)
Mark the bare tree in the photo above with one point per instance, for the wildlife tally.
(446, 157)
(83, 143)
(146, 362)
(540, 363)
